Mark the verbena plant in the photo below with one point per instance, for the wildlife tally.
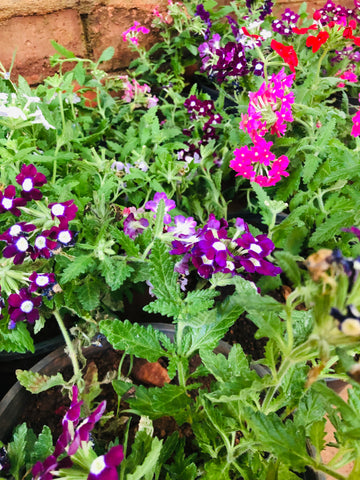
(112, 183)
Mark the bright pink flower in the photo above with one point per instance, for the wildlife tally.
(355, 132)
(134, 31)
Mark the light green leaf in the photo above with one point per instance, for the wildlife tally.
(76, 267)
(107, 54)
(62, 50)
(43, 446)
(115, 271)
(146, 469)
(36, 382)
(17, 449)
(134, 339)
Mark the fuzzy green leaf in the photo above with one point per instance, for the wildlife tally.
(126, 243)
(164, 307)
(43, 447)
(17, 340)
(17, 449)
(330, 227)
(169, 400)
(115, 271)
(146, 469)
(107, 54)
(289, 266)
(76, 267)
(62, 50)
(89, 293)
(311, 164)
(134, 339)
(36, 382)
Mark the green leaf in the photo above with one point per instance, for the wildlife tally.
(126, 243)
(17, 340)
(43, 446)
(17, 449)
(107, 54)
(62, 50)
(76, 267)
(134, 339)
(311, 164)
(146, 469)
(36, 382)
(170, 400)
(89, 293)
(288, 263)
(115, 271)
(164, 307)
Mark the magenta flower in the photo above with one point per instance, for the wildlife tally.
(28, 179)
(63, 236)
(104, 467)
(355, 131)
(8, 202)
(64, 211)
(23, 306)
(131, 34)
(153, 205)
(16, 230)
(43, 246)
(258, 164)
(43, 281)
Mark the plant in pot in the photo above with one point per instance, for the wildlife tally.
(125, 188)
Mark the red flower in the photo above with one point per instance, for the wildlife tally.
(301, 31)
(316, 42)
(287, 53)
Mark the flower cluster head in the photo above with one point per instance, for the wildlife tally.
(263, 9)
(76, 435)
(355, 131)
(137, 94)
(205, 17)
(131, 34)
(23, 306)
(210, 250)
(285, 25)
(332, 12)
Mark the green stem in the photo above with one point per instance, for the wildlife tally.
(69, 344)
(329, 471)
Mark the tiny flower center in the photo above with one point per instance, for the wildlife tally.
(22, 244)
(219, 246)
(7, 203)
(26, 306)
(255, 248)
(40, 242)
(64, 237)
(27, 184)
(98, 465)
(42, 280)
(15, 230)
(57, 209)
(351, 327)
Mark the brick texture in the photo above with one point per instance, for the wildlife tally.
(30, 38)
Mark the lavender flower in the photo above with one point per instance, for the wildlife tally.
(153, 205)
(205, 17)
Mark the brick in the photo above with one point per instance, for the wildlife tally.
(16, 8)
(107, 23)
(30, 37)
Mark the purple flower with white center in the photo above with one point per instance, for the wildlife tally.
(23, 306)
(133, 226)
(190, 154)
(28, 179)
(199, 108)
(153, 205)
(231, 62)
(183, 226)
(44, 281)
(104, 467)
(64, 211)
(257, 67)
(16, 230)
(8, 202)
(62, 236)
(43, 246)
(2, 305)
(17, 249)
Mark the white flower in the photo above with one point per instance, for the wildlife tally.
(39, 118)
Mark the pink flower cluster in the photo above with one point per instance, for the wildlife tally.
(268, 112)
(131, 34)
(140, 94)
(355, 132)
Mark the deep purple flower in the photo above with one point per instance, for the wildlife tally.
(133, 226)
(64, 211)
(189, 154)
(199, 108)
(153, 205)
(257, 67)
(63, 236)
(8, 202)
(43, 246)
(2, 305)
(29, 178)
(205, 17)
(23, 306)
(4, 461)
(17, 249)
(232, 62)
(104, 467)
(43, 281)
(16, 230)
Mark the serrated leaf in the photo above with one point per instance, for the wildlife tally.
(288, 264)
(17, 340)
(146, 469)
(17, 449)
(310, 166)
(166, 308)
(89, 293)
(76, 267)
(43, 447)
(156, 402)
(126, 243)
(134, 339)
(115, 271)
(36, 382)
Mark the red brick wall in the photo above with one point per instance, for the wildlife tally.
(86, 27)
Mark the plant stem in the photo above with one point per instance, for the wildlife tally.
(69, 344)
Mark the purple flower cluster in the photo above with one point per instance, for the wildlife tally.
(205, 17)
(285, 25)
(211, 250)
(263, 10)
(44, 243)
(199, 109)
(76, 433)
(333, 12)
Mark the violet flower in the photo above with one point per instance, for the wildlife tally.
(15, 231)
(18, 248)
(104, 467)
(43, 246)
(133, 226)
(8, 202)
(205, 17)
(153, 205)
(23, 306)
(41, 281)
(64, 211)
(28, 179)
